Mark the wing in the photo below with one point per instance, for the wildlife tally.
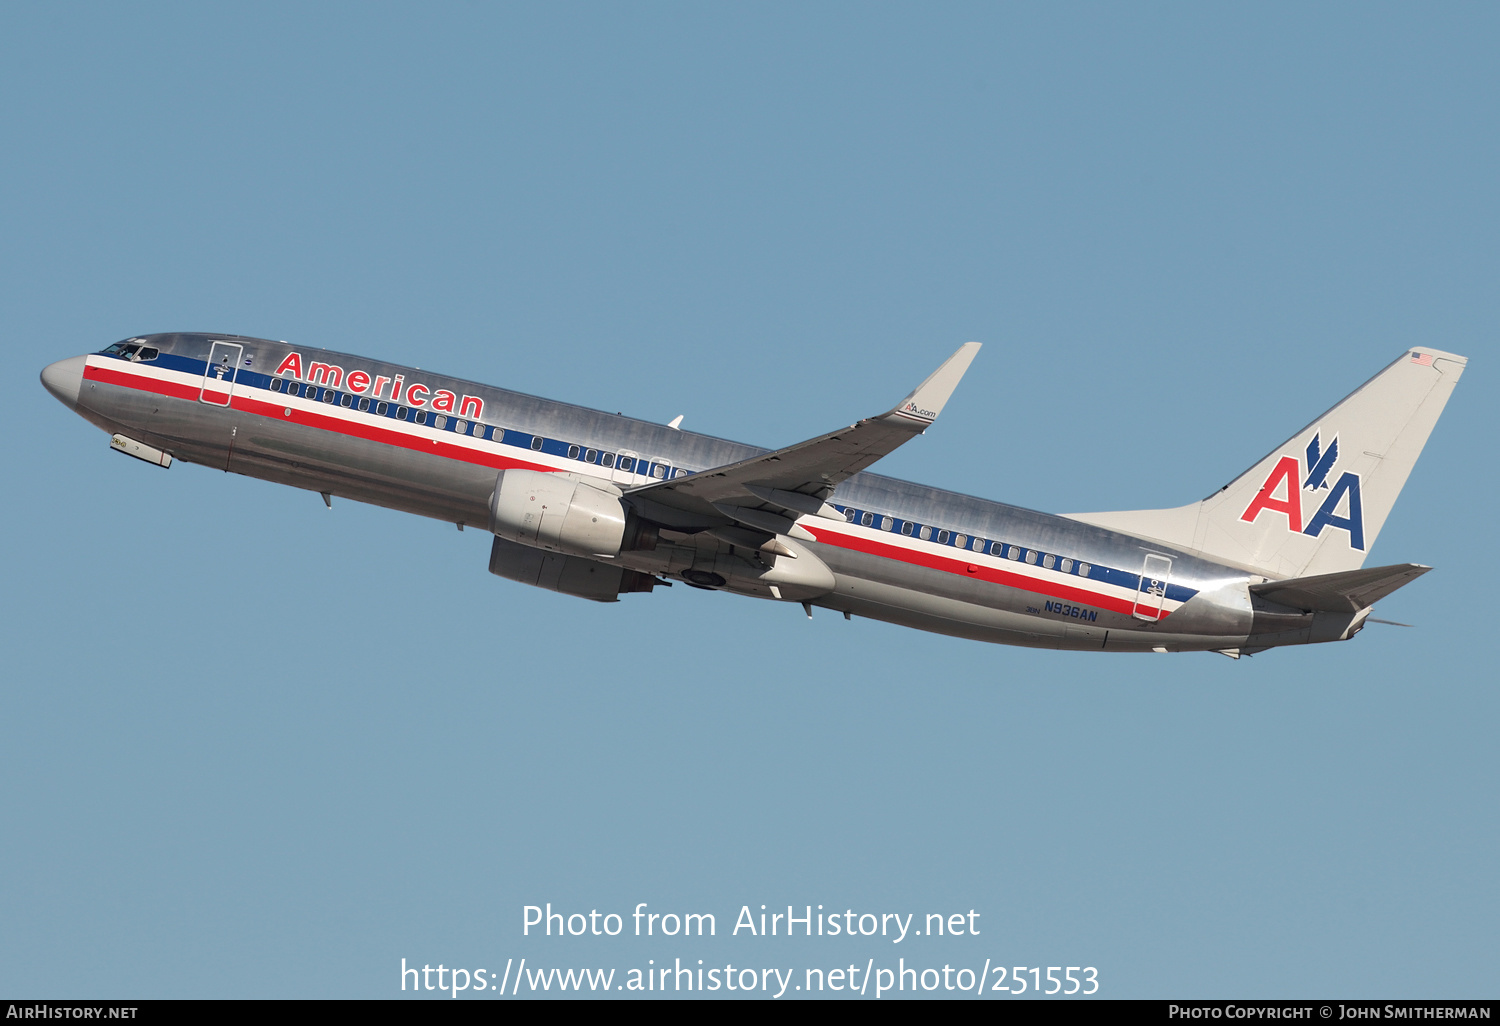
(768, 492)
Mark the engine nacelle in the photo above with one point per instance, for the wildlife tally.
(562, 514)
(571, 575)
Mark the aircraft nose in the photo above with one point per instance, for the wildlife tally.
(63, 379)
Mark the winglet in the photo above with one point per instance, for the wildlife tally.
(927, 400)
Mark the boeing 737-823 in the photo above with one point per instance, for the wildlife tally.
(598, 505)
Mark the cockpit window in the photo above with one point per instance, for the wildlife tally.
(135, 352)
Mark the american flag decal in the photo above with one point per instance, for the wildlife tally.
(1421, 359)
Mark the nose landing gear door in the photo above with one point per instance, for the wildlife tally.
(1152, 592)
(218, 376)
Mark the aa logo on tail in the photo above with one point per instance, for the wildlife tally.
(1282, 493)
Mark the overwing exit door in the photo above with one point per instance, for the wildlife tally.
(219, 375)
(625, 467)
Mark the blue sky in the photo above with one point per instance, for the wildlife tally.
(257, 748)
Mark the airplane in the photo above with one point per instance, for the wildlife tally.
(599, 505)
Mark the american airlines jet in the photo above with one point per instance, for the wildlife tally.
(598, 505)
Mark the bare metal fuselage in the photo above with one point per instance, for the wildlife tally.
(998, 574)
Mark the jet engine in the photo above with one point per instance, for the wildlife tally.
(557, 512)
(571, 575)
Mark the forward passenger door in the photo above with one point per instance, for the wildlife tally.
(219, 373)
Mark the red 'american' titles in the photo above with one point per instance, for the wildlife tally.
(359, 382)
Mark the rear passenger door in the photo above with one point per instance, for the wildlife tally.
(1152, 592)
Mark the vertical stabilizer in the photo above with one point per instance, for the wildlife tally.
(1316, 503)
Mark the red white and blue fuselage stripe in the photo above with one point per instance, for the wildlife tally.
(1076, 585)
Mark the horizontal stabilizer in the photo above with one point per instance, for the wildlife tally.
(1345, 592)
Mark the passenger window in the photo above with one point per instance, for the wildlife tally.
(401, 413)
(658, 471)
(867, 519)
(627, 463)
(1083, 569)
(460, 427)
(886, 523)
(348, 400)
(439, 421)
(925, 533)
(421, 416)
(328, 395)
(1031, 556)
(380, 408)
(906, 527)
(591, 456)
(1049, 561)
(572, 452)
(851, 515)
(1067, 566)
(536, 442)
(942, 537)
(978, 544)
(276, 384)
(364, 404)
(961, 540)
(1013, 553)
(606, 459)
